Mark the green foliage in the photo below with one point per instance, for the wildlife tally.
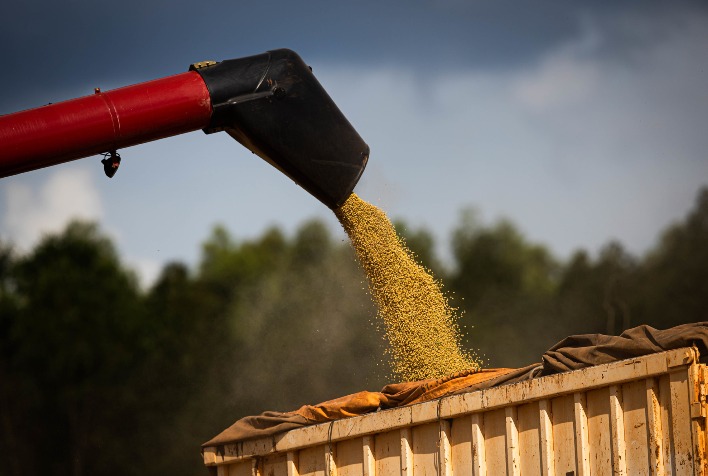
(594, 297)
(307, 320)
(497, 263)
(98, 376)
(504, 286)
(227, 264)
(67, 346)
(673, 284)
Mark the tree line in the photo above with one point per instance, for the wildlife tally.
(98, 376)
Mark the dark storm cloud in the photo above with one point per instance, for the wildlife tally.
(76, 44)
(68, 46)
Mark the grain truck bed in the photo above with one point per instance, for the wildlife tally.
(572, 353)
(604, 416)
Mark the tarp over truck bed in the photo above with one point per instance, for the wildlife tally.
(572, 353)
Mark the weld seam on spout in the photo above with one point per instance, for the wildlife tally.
(265, 73)
(115, 120)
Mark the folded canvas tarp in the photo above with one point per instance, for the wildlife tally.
(572, 353)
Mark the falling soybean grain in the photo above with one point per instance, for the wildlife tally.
(420, 326)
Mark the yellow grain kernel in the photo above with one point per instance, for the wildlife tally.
(420, 326)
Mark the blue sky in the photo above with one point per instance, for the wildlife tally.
(581, 122)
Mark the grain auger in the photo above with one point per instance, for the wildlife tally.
(271, 103)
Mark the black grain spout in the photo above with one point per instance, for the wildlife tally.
(273, 104)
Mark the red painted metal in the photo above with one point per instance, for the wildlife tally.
(102, 122)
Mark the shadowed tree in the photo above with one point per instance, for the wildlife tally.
(595, 296)
(12, 381)
(673, 283)
(305, 323)
(183, 395)
(505, 287)
(74, 340)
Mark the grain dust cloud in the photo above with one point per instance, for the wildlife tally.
(420, 327)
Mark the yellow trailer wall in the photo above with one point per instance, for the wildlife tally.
(642, 416)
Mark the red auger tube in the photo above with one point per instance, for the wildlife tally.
(102, 122)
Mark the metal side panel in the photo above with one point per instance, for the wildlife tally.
(648, 418)
(529, 439)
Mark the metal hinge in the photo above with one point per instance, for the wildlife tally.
(698, 405)
(698, 410)
(676, 359)
(201, 64)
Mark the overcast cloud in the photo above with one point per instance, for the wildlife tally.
(32, 211)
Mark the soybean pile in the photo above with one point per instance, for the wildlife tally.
(419, 325)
